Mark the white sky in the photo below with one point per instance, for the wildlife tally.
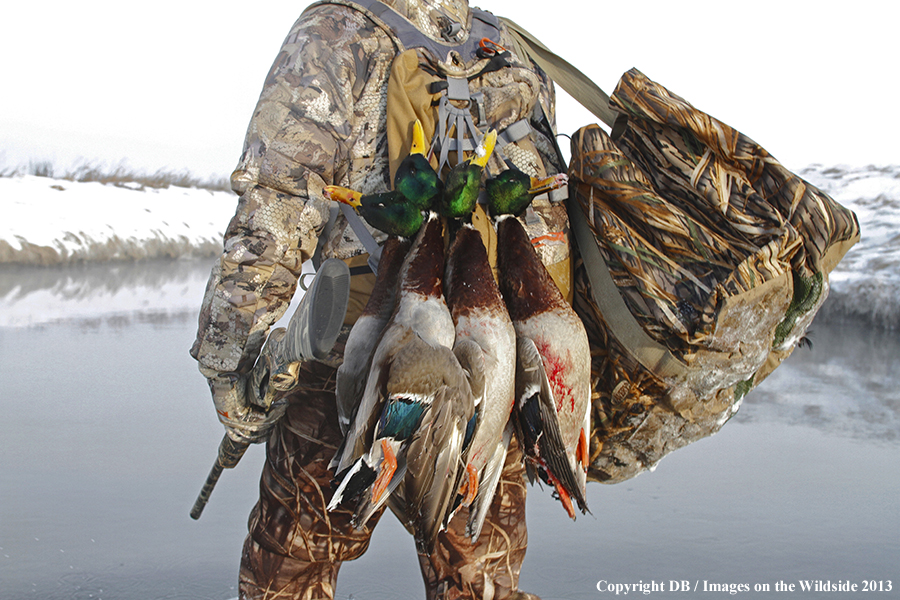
(173, 84)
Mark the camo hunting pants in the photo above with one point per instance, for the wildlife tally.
(295, 547)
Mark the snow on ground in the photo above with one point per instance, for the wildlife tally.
(49, 221)
(866, 283)
(76, 228)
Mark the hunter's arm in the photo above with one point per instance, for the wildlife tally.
(301, 138)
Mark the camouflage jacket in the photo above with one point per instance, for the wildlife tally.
(321, 120)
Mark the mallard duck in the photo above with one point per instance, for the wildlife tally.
(390, 212)
(436, 452)
(399, 212)
(512, 191)
(463, 183)
(416, 397)
(485, 346)
(553, 391)
(360, 346)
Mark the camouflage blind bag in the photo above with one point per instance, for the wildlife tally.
(702, 262)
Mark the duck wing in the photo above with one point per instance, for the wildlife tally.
(435, 468)
(409, 384)
(537, 422)
(364, 336)
(360, 434)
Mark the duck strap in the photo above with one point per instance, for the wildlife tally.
(414, 82)
(413, 91)
(365, 237)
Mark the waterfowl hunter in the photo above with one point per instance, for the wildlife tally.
(411, 421)
(553, 391)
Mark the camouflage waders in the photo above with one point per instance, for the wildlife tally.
(295, 547)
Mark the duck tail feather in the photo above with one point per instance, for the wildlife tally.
(490, 477)
(554, 456)
(366, 507)
(356, 479)
(438, 503)
(336, 459)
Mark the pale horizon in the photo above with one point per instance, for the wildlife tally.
(173, 85)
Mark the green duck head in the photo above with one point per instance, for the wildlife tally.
(463, 182)
(389, 212)
(415, 178)
(510, 192)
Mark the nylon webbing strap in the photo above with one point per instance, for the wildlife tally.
(326, 231)
(650, 353)
(564, 74)
(626, 329)
(364, 235)
(515, 132)
(484, 24)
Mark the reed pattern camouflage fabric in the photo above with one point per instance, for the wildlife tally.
(296, 547)
(721, 255)
(489, 566)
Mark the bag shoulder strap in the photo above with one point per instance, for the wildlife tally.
(650, 353)
(573, 81)
(626, 329)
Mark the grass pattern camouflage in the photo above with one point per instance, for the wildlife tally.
(721, 255)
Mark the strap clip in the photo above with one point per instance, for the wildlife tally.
(488, 48)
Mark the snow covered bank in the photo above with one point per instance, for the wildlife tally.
(51, 222)
(866, 284)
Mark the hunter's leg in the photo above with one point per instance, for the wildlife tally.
(295, 546)
(488, 567)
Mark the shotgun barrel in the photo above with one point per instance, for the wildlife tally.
(230, 453)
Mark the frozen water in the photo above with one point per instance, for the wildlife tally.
(108, 431)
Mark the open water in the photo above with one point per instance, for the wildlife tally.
(108, 433)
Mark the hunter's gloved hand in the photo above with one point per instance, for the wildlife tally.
(244, 421)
